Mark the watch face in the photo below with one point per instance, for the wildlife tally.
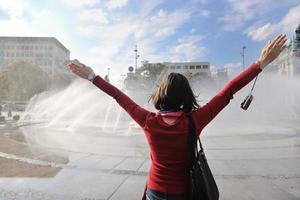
(90, 76)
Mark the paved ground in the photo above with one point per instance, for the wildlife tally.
(36, 164)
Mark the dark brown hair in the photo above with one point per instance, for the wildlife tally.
(174, 93)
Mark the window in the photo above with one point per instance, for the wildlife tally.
(205, 66)
(198, 66)
(186, 67)
(178, 67)
(172, 67)
(192, 67)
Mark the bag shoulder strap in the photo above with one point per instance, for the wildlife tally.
(192, 133)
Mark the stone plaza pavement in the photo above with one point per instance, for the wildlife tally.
(114, 167)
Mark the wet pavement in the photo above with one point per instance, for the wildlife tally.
(48, 164)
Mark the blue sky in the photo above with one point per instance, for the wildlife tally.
(103, 33)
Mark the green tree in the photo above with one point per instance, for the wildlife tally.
(151, 70)
(21, 80)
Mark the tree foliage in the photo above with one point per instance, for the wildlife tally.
(151, 70)
(21, 80)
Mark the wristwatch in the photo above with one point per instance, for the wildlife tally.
(91, 75)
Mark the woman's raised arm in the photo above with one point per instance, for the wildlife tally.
(209, 111)
(134, 110)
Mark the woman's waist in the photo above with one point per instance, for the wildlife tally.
(168, 180)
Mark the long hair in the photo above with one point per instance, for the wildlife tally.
(174, 93)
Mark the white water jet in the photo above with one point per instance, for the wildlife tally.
(79, 105)
(82, 111)
(274, 109)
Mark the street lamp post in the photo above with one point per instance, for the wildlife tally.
(136, 57)
(107, 75)
(243, 56)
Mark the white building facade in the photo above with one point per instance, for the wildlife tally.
(288, 62)
(193, 68)
(46, 52)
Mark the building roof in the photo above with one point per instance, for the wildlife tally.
(202, 62)
(21, 39)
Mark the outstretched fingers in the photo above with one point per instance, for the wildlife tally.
(279, 42)
(273, 42)
(282, 41)
(75, 69)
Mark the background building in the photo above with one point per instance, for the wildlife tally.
(202, 68)
(46, 52)
(288, 62)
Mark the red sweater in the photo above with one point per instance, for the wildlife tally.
(168, 143)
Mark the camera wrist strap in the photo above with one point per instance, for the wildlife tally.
(253, 84)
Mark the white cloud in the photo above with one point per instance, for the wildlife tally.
(286, 25)
(204, 13)
(147, 7)
(85, 30)
(200, 1)
(13, 8)
(165, 32)
(262, 32)
(94, 15)
(162, 24)
(115, 42)
(240, 12)
(112, 4)
(190, 39)
(187, 48)
(188, 51)
(88, 30)
(81, 3)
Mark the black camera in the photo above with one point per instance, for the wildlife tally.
(246, 103)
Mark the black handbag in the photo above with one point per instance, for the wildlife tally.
(202, 185)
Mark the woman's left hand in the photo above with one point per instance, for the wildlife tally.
(81, 70)
(272, 50)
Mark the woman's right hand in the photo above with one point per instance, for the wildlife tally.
(81, 70)
(272, 50)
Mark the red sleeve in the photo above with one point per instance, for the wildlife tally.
(135, 111)
(203, 115)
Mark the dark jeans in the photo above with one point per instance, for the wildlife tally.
(155, 195)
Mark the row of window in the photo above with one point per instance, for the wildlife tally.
(26, 54)
(27, 47)
(189, 67)
(37, 62)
